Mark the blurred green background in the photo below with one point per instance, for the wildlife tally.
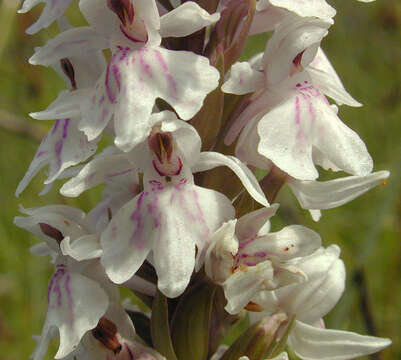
(364, 45)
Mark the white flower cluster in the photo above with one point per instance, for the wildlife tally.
(168, 63)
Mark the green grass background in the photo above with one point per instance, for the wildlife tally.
(365, 47)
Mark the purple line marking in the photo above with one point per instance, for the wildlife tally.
(108, 176)
(172, 83)
(56, 124)
(136, 217)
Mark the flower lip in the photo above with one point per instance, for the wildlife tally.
(106, 333)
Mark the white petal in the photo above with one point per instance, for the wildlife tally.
(190, 215)
(75, 305)
(52, 10)
(311, 343)
(96, 172)
(181, 78)
(209, 160)
(100, 17)
(63, 146)
(185, 20)
(148, 12)
(219, 258)
(292, 37)
(291, 242)
(334, 193)
(286, 138)
(339, 143)
(307, 8)
(69, 43)
(28, 5)
(84, 248)
(325, 78)
(66, 105)
(255, 223)
(266, 19)
(241, 286)
(243, 79)
(69, 221)
(314, 298)
(128, 238)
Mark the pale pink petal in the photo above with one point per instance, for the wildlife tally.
(97, 171)
(266, 18)
(341, 145)
(75, 305)
(52, 11)
(325, 78)
(185, 20)
(209, 160)
(334, 193)
(86, 247)
(189, 216)
(291, 242)
(312, 343)
(241, 286)
(100, 17)
(63, 146)
(66, 105)
(255, 223)
(129, 237)
(292, 37)
(243, 79)
(69, 43)
(286, 137)
(183, 79)
(307, 8)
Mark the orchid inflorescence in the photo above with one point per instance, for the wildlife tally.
(162, 79)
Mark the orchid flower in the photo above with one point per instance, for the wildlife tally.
(290, 120)
(113, 338)
(65, 145)
(245, 258)
(140, 70)
(78, 293)
(171, 215)
(309, 302)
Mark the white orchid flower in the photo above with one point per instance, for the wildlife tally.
(139, 71)
(245, 258)
(289, 118)
(309, 302)
(65, 145)
(171, 215)
(79, 291)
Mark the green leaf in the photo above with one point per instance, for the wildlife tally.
(192, 321)
(160, 327)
